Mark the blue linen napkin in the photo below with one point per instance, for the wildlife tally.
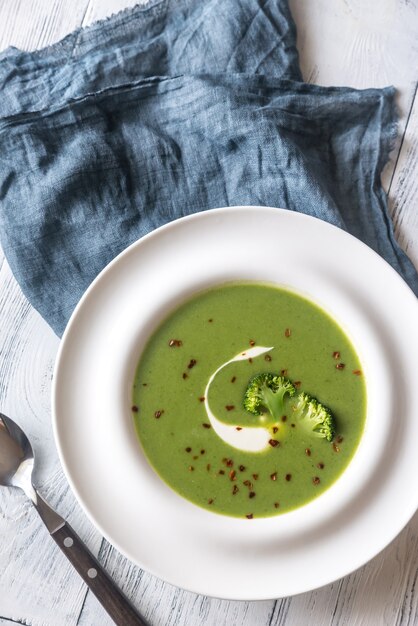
(168, 109)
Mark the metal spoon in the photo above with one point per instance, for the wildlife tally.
(16, 467)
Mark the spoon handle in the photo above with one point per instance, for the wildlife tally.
(105, 590)
(111, 598)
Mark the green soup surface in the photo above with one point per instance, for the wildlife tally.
(169, 410)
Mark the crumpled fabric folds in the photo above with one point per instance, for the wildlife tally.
(167, 109)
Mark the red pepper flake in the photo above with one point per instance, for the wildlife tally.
(357, 372)
(191, 468)
(192, 363)
(232, 475)
(288, 477)
(248, 484)
(206, 425)
(252, 342)
(202, 452)
(188, 449)
(208, 467)
(233, 379)
(340, 366)
(283, 372)
(307, 451)
(251, 494)
(238, 428)
(336, 355)
(276, 505)
(229, 462)
(274, 442)
(242, 468)
(210, 320)
(221, 472)
(230, 407)
(158, 414)
(185, 376)
(235, 490)
(335, 447)
(273, 476)
(210, 501)
(175, 343)
(249, 516)
(250, 360)
(297, 383)
(339, 439)
(287, 332)
(267, 358)
(202, 399)
(284, 418)
(320, 465)
(255, 476)
(134, 409)
(316, 480)
(274, 429)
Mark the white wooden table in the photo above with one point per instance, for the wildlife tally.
(361, 43)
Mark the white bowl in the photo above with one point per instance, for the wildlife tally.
(135, 510)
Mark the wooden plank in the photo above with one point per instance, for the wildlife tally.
(358, 44)
(31, 24)
(100, 9)
(382, 592)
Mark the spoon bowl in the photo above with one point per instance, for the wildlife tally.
(16, 457)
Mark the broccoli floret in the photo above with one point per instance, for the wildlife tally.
(314, 417)
(267, 392)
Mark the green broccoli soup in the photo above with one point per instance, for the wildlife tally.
(249, 400)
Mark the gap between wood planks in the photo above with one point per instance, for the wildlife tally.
(403, 139)
(9, 620)
(84, 21)
(282, 611)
